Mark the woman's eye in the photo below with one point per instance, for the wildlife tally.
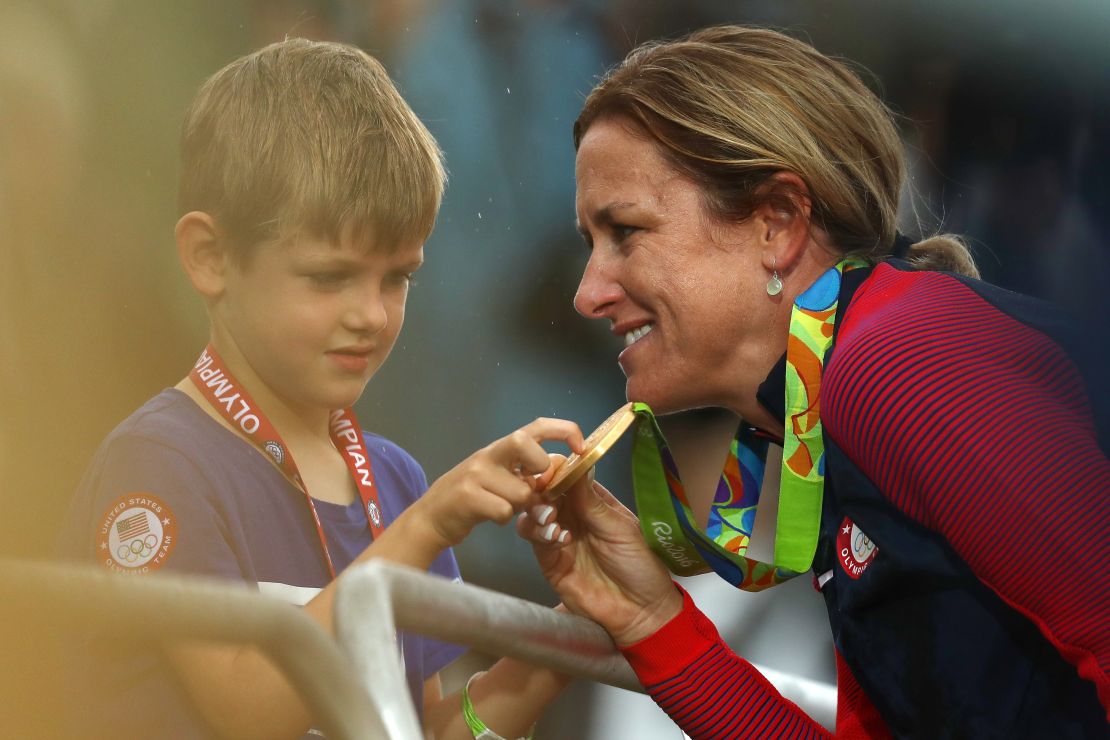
(623, 231)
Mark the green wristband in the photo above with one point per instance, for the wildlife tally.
(477, 727)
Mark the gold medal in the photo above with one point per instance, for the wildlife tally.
(596, 445)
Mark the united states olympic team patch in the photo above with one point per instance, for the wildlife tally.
(854, 549)
(136, 535)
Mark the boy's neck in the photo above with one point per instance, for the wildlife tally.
(295, 424)
(305, 432)
(320, 463)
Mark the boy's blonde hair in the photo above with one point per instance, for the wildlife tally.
(309, 137)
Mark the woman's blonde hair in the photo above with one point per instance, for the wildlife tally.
(308, 136)
(731, 106)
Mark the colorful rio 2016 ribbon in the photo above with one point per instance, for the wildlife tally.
(665, 516)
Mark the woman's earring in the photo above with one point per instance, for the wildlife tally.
(774, 285)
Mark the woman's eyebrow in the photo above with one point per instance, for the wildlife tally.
(605, 214)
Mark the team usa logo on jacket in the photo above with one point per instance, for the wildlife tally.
(136, 535)
(854, 549)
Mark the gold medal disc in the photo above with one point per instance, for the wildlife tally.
(597, 444)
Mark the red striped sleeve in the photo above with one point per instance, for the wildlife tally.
(708, 690)
(856, 717)
(978, 427)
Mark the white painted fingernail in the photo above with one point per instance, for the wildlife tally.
(543, 513)
(548, 532)
(563, 537)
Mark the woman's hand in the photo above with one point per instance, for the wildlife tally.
(590, 549)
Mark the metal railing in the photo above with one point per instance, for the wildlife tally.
(168, 608)
(362, 694)
(379, 596)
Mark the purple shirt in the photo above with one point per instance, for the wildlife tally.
(173, 490)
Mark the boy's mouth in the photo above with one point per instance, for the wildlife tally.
(361, 349)
(351, 359)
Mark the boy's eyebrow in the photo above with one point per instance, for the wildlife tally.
(338, 260)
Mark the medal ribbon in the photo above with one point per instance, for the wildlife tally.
(802, 487)
(666, 520)
(235, 405)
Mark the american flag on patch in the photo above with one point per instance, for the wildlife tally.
(133, 526)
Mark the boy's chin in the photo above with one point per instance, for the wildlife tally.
(344, 400)
(335, 398)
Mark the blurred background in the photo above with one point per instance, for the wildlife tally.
(1004, 105)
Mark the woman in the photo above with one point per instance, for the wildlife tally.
(943, 476)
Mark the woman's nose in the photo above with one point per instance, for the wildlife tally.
(598, 290)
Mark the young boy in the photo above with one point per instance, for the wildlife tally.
(308, 187)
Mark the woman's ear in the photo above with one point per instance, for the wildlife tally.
(203, 253)
(783, 221)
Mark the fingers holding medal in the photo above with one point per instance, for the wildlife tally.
(497, 481)
(596, 445)
(541, 523)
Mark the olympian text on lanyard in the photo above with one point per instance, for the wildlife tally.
(234, 404)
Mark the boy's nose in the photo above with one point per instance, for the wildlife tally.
(367, 314)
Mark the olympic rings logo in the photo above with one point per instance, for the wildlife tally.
(137, 533)
(138, 549)
(862, 546)
(275, 451)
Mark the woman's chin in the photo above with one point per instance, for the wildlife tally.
(661, 400)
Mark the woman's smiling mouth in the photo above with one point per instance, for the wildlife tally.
(633, 336)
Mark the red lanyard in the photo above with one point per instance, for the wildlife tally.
(233, 403)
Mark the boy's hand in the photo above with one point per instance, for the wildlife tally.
(495, 482)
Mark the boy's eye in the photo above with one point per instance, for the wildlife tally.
(401, 279)
(327, 279)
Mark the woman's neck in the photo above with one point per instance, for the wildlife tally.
(767, 351)
(750, 372)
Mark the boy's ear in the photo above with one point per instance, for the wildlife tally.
(203, 253)
(784, 221)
